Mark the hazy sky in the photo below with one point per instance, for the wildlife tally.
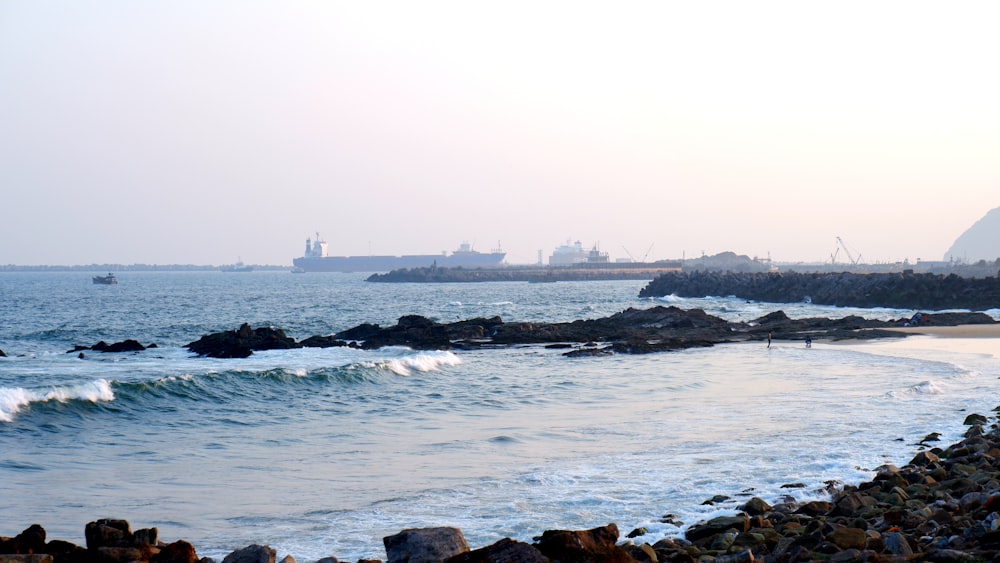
(201, 131)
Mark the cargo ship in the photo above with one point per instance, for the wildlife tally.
(316, 259)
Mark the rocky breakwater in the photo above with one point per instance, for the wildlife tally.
(944, 506)
(902, 291)
(633, 331)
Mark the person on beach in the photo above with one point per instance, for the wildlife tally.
(809, 342)
(768, 339)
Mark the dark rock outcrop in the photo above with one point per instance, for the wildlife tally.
(903, 291)
(633, 331)
(242, 342)
(129, 345)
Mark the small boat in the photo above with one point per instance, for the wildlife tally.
(106, 280)
(297, 270)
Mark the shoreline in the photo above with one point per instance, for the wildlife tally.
(940, 506)
(962, 339)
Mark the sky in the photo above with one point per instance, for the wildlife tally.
(207, 131)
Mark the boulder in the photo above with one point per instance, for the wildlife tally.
(31, 540)
(504, 551)
(583, 546)
(322, 342)
(179, 551)
(424, 545)
(717, 525)
(242, 342)
(107, 533)
(252, 554)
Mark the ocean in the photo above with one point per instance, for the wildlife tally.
(320, 452)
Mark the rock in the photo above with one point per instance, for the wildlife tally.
(848, 538)
(148, 536)
(287, 559)
(717, 525)
(756, 507)
(503, 551)
(2, 355)
(66, 552)
(24, 558)
(107, 533)
(924, 459)
(597, 545)
(901, 291)
(424, 545)
(241, 343)
(179, 551)
(252, 554)
(589, 352)
(975, 419)
(322, 342)
(123, 554)
(897, 544)
(745, 556)
(814, 508)
(330, 559)
(31, 540)
(637, 532)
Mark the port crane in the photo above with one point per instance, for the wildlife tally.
(644, 256)
(841, 245)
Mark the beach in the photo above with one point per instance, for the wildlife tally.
(341, 447)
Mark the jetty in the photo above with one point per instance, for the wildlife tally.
(532, 274)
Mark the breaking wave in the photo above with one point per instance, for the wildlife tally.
(13, 400)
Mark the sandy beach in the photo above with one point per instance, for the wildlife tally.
(970, 339)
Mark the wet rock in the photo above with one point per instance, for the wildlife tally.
(322, 342)
(756, 506)
(179, 551)
(129, 345)
(241, 343)
(424, 545)
(503, 551)
(252, 554)
(596, 545)
(717, 525)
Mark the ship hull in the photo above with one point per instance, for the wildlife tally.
(388, 263)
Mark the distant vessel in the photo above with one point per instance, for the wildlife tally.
(239, 266)
(316, 259)
(569, 253)
(106, 280)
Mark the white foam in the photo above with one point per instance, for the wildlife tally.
(421, 362)
(13, 400)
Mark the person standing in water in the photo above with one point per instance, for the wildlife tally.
(769, 339)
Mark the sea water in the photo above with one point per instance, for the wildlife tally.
(321, 452)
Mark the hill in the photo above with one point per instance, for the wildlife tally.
(980, 242)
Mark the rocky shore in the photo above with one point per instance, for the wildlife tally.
(944, 506)
(633, 331)
(901, 291)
